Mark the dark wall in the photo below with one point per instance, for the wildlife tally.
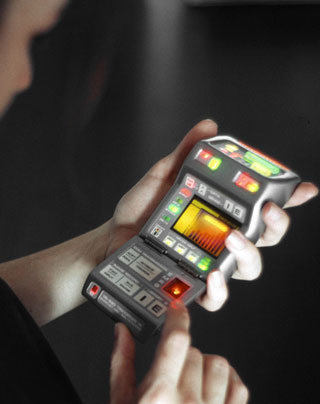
(135, 77)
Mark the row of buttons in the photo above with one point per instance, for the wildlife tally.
(206, 157)
(258, 162)
(144, 298)
(131, 288)
(163, 280)
(175, 206)
(191, 256)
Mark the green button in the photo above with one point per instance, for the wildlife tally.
(204, 264)
(174, 208)
(259, 162)
(166, 218)
(214, 163)
(179, 201)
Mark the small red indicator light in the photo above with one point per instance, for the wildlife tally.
(204, 156)
(185, 192)
(176, 288)
(94, 290)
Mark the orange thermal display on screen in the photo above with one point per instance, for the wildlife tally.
(203, 226)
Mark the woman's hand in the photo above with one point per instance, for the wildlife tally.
(179, 373)
(135, 208)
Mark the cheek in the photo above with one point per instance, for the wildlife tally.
(15, 74)
(21, 65)
(24, 72)
(16, 69)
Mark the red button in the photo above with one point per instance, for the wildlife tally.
(94, 290)
(185, 192)
(245, 181)
(176, 288)
(204, 156)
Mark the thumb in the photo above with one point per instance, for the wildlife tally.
(122, 374)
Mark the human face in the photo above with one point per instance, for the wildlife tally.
(21, 21)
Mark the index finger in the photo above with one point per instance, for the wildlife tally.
(303, 193)
(173, 346)
(202, 130)
(168, 167)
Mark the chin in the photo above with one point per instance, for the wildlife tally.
(4, 106)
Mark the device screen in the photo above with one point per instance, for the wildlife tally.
(205, 226)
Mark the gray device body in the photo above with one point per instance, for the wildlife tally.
(222, 185)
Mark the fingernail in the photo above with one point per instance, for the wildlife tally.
(236, 240)
(235, 376)
(273, 213)
(216, 279)
(177, 304)
(313, 193)
(219, 292)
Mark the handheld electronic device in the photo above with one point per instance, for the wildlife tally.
(222, 185)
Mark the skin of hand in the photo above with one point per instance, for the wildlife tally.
(179, 373)
(131, 214)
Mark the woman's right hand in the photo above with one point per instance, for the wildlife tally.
(179, 374)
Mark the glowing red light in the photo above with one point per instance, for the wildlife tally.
(185, 192)
(205, 155)
(176, 288)
(248, 183)
(94, 290)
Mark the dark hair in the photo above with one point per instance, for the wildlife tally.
(2, 4)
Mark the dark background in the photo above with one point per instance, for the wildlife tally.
(117, 85)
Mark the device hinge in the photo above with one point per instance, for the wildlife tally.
(189, 269)
(155, 245)
(180, 263)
